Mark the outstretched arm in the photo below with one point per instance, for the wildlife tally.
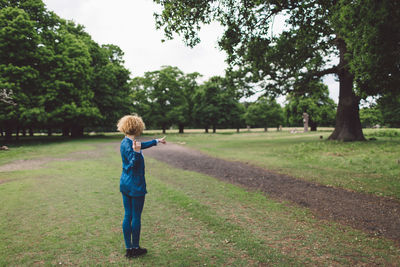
(153, 142)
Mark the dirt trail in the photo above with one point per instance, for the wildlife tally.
(376, 215)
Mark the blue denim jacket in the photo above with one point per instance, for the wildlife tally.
(132, 182)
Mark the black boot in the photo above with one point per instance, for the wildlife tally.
(128, 253)
(136, 252)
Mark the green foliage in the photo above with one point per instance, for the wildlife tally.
(265, 112)
(169, 97)
(216, 105)
(54, 75)
(189, 86)
(315, 102)
(389, 105)
(112, 93)
(363, 34)
(371, 31)
(371, 116)
(71, 103)
(248, 41)
(160, 96)
(18, 42)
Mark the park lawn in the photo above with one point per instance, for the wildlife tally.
(69, 212)
(371, 167)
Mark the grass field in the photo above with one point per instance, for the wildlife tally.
(68, 211)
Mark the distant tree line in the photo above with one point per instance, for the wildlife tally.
(170, 98)
(385, 112)
(53, 76)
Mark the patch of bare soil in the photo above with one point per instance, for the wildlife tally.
(32, 164)
(373, 214)
(25, 164)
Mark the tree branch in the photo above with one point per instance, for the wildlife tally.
(321, 73)
(6, 97)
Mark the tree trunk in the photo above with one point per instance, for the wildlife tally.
(49, 132)
(65, 131)
(30, 132)
(181, 127)
(23, 132)
(206, 129)
(17, 134)
(1, 132)
(8, 134)
(214, 128)
(237, 129)
(265, 129)
(313, 125)
(348, 125)
(163, 130)
(76, 131)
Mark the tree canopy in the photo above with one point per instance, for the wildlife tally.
(315, 102)
(54, 76)
(165, 97)
(265, 112)
(362, 34)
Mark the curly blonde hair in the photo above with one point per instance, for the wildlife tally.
(131, 125)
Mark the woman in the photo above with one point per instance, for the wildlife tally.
(132, 182)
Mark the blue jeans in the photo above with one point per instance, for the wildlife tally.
(131, 224)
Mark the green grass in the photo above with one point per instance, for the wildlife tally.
(371, 167)
(70, 212)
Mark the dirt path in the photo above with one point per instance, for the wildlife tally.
(375, 215)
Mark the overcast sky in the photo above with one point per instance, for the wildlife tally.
(130, 25)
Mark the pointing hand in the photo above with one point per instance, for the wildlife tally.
(162, 140)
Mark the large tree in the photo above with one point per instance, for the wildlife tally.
(18, 71)
(389, 107)
(371, 116)
(53, 75)
(67, 80)
(362, 34)
(215, 104)
(314, 101)
(184, 112)
(159, 96)
(109, 82)
(265, 112)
